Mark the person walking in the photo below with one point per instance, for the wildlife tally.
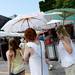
(14, 58)
(66, 51)
(35, 53)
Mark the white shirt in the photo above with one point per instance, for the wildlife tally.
(66, 58)
(36, 62)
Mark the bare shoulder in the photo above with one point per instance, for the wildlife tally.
(9, 53)
(31, 50)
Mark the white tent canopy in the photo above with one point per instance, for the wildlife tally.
(5, 34)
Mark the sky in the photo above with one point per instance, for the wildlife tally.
(19, 7)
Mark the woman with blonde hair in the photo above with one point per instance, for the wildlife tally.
(66, 50)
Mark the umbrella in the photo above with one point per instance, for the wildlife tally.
(53, 23)
(21, 23)
(52, 15)
(67, 14)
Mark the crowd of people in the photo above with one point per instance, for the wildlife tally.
(34, 53)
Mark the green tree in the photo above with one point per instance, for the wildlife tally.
(48, 5)
(69, 4)
(53, 4)
(59, 3)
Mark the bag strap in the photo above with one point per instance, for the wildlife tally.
(41, 58)
(21, 53)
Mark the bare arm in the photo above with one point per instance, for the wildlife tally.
(9, 61)
(28, 51)
(67, 45)
(21, 53)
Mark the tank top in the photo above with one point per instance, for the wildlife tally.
(16, 62)
(36, 66)
(66, 58)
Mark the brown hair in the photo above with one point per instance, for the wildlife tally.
(13, 45)
(61, 29)
(30, 34)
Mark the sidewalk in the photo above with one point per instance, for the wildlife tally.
(3, 68)
(58, 70)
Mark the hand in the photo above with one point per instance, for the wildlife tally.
(47, 60)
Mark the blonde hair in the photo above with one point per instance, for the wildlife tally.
(61, 30)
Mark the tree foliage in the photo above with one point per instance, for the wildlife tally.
(49, 4)
(59, 3)
(53, 4)
(69, 3)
